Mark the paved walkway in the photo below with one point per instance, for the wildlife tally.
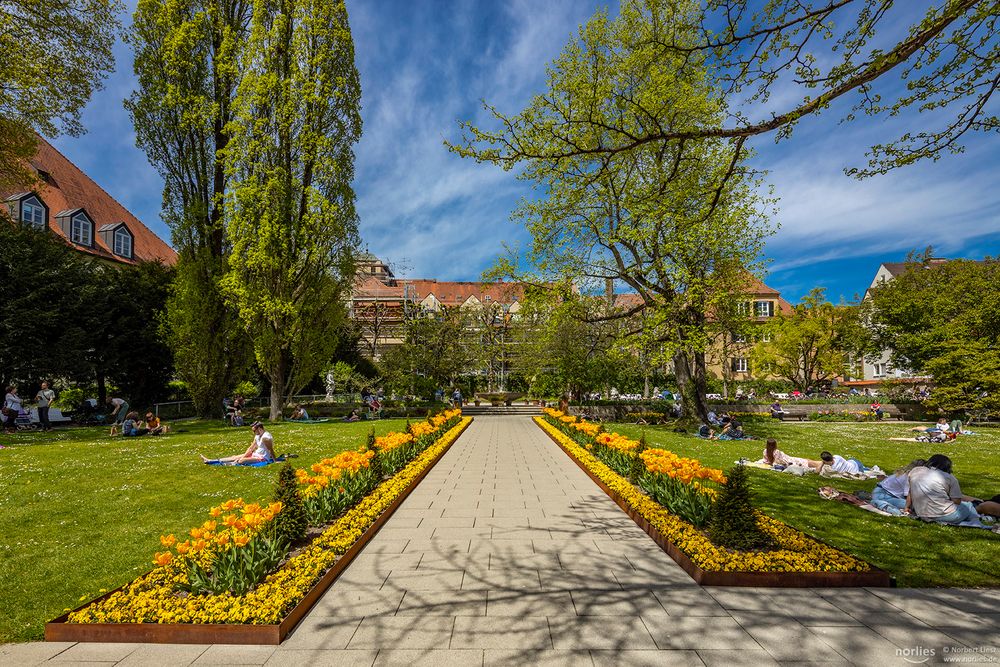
(507, 554)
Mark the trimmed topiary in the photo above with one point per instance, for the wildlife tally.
(376, 464)
(733, 519)
(638, 466)
(291, 523)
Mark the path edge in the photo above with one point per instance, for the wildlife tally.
(874, 578)
(58, 630)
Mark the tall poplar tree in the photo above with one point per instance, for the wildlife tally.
(186, 62)
(292, 222)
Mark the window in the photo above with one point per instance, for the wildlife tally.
(739, 338)
(123, 243)
(82, 231)
(878, 370)
(765, 337)
(487, 298)
(743, 308)
(739, 365)
(32, 213)
(764, 308)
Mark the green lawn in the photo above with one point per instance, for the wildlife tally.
(918, 554)
(80, 511)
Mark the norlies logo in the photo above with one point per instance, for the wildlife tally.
(916, 654)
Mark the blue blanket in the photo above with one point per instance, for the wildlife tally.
(258, 464)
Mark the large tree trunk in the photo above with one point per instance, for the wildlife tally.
(277, 377)
(692, 382)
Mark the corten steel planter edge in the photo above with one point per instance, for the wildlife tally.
(58, 630)
(874, 578)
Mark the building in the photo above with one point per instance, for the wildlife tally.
(878, 368)
(380, 303)
(77, 210)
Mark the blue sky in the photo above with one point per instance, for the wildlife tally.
(425, 64)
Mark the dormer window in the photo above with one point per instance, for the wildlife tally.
(123, 242)
(82, 230)
(32, 213)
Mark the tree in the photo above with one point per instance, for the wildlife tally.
(814, 52)
(293, 227)
(131, 351)
(810, 345)
(437, 346)
(679, 224)
(55, 55)
(943, 319)
(186, 56)
(45, 318)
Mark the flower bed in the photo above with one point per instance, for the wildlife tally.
(156, 606)
(799, 559)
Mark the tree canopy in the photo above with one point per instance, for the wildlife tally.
(943, 319)
(55, 55)
(781, 61)
(679, 224)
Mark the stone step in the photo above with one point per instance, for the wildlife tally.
(508, 410)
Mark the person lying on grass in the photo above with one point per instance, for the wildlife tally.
(941, 426)
(260, 450)
(839, 464)
(774, 456)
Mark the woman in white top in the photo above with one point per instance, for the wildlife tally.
(890, 493)
(936, 496)
(260, 450)
(12, 403)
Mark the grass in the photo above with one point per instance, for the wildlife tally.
(917, 553)
(81, 512)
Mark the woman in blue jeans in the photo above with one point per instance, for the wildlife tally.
(890, 493)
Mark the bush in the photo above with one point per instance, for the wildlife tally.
(291, 522)
(733, 519)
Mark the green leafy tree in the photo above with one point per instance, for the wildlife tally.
(676, 223)
(186, 56)
(55, 55)
(293, 226)
(812, 344)
(437, 346)
(46, 322)
(943, 319)
(874, 57)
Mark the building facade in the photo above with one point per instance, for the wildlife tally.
(75, 209)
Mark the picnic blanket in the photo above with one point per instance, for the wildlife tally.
(309, 421)
(257, 464)
(872, 473)
(830, 493)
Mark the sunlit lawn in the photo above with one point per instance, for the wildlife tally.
(80, 511)
(918, 554)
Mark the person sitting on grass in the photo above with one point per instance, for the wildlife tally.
(260, 450)
(353, 417)
(890, 493)
(154, 426)
(774, 456)
(839, 464)
(935, 495)
(299, 414)
(733, 430)
(130, 426)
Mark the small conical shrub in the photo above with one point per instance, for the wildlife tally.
(290, 524)
(733, 519)
(638, 465)
(376, 465)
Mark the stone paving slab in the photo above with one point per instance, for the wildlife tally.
(508, 554)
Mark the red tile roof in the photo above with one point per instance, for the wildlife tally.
(65, 187)
(457, 293)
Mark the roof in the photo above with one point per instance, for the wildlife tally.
(895, 268)
(67, 189)
(456, 293)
